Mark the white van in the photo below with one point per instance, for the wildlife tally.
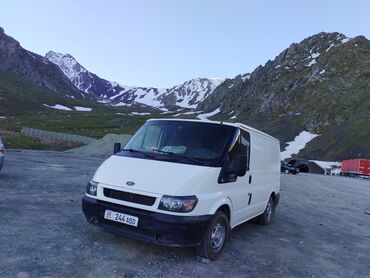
(187, 183)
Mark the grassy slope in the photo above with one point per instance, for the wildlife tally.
(22, 102)
(336, 106)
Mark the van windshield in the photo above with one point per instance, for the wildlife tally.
(181, 141)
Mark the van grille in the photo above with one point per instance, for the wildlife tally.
(129, 197)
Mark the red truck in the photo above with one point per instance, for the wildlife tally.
(356, 167)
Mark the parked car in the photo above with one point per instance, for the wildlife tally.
(288, 169)
(2, 153)
(186, 183)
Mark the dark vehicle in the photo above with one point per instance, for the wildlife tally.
(2, 152)
(288, 169)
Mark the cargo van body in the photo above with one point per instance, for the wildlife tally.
(355, 167)
(193, 173)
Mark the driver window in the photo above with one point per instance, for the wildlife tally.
(242, 146)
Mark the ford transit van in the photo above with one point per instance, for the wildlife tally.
(186, 183)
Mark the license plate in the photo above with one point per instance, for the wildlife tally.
(121, 218)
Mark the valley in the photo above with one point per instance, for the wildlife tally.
(320, 85)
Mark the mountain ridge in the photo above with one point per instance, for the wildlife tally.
(185, 95)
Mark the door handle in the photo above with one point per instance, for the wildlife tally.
(250, 179)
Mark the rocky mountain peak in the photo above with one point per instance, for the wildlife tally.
(33, 68)
(186, 95)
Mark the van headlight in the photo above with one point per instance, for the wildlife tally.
(178, 204)
(92, 188)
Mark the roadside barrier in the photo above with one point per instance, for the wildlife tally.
(57, 136)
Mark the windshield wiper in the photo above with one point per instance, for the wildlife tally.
(175, 155)
(137, 151)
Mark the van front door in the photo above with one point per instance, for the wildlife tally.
(241, 190)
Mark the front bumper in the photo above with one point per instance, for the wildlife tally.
(159, 228)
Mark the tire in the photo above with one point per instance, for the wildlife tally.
(268, 215)
(286, 171)
(215, 238)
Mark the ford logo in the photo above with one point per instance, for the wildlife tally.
(130, 183)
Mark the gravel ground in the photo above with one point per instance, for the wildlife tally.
(322, 229)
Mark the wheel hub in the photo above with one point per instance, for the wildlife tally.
(217, 236)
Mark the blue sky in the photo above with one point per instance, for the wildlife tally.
(162, 43)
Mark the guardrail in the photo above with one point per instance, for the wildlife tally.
(57, 136)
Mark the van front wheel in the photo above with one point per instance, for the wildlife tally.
(215, 237)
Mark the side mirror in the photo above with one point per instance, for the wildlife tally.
(117, 148)
(238, 166)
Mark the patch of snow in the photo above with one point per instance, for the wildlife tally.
(80, 108)
(104, 101)
(233, 117)
(120, 113)
(246, 76)
(278, 66)
(2, 117)
(315, 55)
(322, 72)
(58, 106)
(327, 164)
(297, 114)
(311, 63)
(121, 104)
(345, 40)
(139, 113)
(148, 96)
(113, 84)
(118, 95)
(186, 113)
(331, 45)
(232, 85)
(205, 116)
(163, 109)
(297, 144)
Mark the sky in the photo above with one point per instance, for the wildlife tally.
(162, 43)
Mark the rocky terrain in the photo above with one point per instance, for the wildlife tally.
(33, 68)
(321, 85)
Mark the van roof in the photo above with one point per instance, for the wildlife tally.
(239, 125)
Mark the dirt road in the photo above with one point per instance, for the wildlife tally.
(321, 229)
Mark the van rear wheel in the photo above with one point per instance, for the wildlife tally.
(215, 237)
(268, 215)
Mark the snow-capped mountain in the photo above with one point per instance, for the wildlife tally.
(190, 93)
(186, 95)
